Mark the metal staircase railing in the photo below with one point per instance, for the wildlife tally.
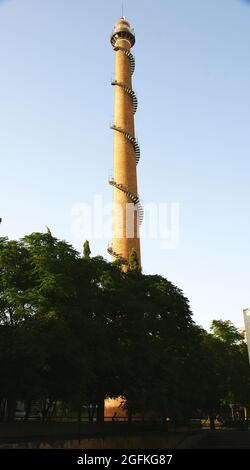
(133, 141)
(130, 139)
(129, 92)
(129, 55)
(132, 197)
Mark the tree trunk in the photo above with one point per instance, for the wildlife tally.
(11, 407)
(27, 410)
(3, 405)
(211, 419)
(79, 414)
(100, 409)
(130, 415)
(91, 413)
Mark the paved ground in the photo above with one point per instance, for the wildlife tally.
(227, 439)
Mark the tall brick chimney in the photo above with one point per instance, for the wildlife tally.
(128, 212)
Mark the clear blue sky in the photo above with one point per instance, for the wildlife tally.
(193, 82)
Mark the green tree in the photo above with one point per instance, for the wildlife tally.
(76, 330)
(223, 371)
(38, 286)
(227, 332)
(134, 264)
(152, 321)
(86, 250)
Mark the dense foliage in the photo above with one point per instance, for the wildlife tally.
(74, 330)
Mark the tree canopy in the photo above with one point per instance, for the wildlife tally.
(76, 329)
